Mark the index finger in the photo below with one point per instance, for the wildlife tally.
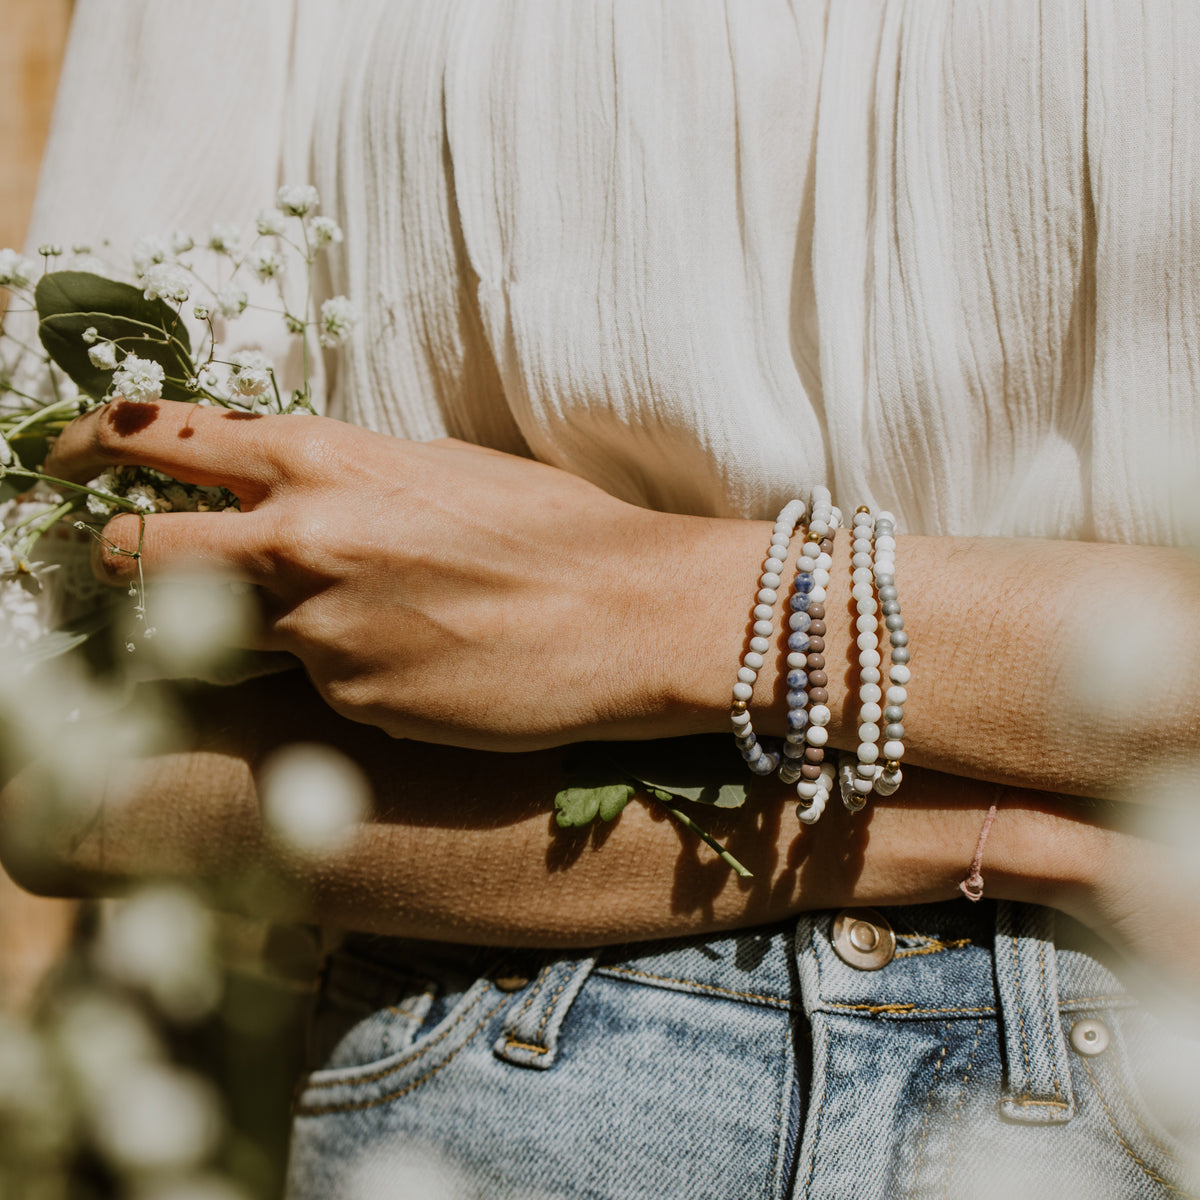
(189, 442)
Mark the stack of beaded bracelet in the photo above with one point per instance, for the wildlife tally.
(898, 673)
(808, 696)
(857, 779)
(760, 761)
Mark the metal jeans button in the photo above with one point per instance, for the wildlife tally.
(863, 938)
(1089, 1037)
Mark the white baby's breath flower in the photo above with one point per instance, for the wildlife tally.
(50, 250)
(139, 379)
(338, 317)
(181, 241)
(165, 280)
(313, 797)
(270, 222)
(297, 199)
(103, 356)
(16, 270)
(200, 312)
(232, 300)
(266, 264)
(90, 334)
(147, 251)
(324, 231)
(250, 373)
(6, 454)
(224, 237)
(146, 499)
(156, 1119)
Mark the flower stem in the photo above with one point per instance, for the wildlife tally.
(703, 835)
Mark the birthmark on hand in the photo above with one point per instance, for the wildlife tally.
(242, 416)
(128, 417)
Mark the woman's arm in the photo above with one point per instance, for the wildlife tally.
(463, 845)
(467, 597)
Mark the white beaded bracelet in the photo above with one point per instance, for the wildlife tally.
(898, 673)
(760, 761)
(858, 780)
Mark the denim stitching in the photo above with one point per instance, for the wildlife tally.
(540, 1048)
(1153, 1174)
(541, 983)
(911, 1009)
(783, 1086)
(958, 1107)
(1132, 1111)
(1020, 1011)
(778, 1001)
(512, 1044)
(929, 1102)
(328, 1083)
(933, 946)
(812, 1162)
(1046, 1018)
(358, 1105)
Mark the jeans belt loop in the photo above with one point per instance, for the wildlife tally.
(1039, 1075)
(530, 1034)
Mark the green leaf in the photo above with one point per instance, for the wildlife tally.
(69, 302)
(705, 768)
(577, 806)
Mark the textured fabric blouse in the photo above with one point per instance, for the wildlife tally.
(945, 257)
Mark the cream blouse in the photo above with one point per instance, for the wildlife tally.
(945, 257)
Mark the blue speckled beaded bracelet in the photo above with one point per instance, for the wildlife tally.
(762, 761)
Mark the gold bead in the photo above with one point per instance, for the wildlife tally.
(740, 706)
(863, 508)
(804, 803)
(891, 766)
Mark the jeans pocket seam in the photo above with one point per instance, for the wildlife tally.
(319, 1110)
(1130, 1151)
(347, 1078)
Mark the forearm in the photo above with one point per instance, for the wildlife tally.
(1054, 665)
(463, 846)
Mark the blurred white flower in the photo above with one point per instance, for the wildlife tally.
(103, 356)
(157, 1118)
(198, 617)
(224, 238)
(147, 251)
(266, 264)
(139, 379)
(232, 300)
(270, 222)
(313, 797)
(162, 940)
(338, 317)
(165, 280)
(146, 498)
(15, 269)
(181, 241)
(297, 199)
(99, 1036)
(324, 231)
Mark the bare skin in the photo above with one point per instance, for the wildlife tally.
(475, 600)
(461, 596)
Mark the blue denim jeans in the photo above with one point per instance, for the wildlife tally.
(977, 1059)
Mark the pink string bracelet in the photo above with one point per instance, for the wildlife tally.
(972, 886)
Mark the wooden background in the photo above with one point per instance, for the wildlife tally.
(33, 932)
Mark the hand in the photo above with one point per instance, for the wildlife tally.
(441, 591)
